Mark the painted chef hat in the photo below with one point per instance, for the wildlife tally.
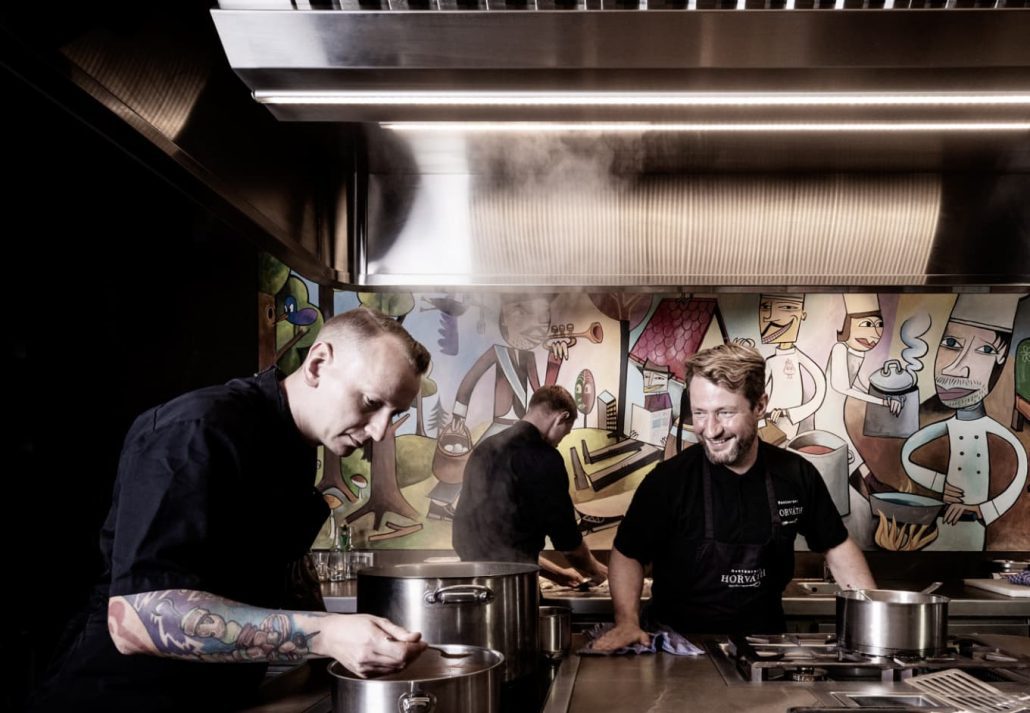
(997, 311)
(795, 296)
(861, 304)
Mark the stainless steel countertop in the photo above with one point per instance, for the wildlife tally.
(662, 683)
(965, 601)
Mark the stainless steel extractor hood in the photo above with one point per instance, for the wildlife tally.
(641, 143)
(575, 143)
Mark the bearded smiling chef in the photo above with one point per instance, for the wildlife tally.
(718, 523)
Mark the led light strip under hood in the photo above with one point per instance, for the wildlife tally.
(630, 99)
(670, 112)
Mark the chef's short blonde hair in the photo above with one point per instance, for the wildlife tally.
(732, 366)
(365, 323)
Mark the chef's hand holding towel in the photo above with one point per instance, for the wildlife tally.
(665, 639)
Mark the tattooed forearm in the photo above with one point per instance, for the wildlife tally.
(201, 626)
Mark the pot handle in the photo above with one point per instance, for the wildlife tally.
(460, 594)
(416, 702)
(889, 366)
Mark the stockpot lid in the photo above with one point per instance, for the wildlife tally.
(449, 570)
(431, 665)
(892, 378)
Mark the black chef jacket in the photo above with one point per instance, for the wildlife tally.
(515, 492)
(665, 523)
(214, 493)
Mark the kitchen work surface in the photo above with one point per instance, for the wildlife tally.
(744, 678)
(1000, 586)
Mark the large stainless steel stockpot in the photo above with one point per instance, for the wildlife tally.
(490, 604)
(468, 680)
(887, 622)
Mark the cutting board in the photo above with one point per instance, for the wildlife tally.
(999, 586)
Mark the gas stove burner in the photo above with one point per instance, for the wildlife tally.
(808, 674)
(817, 657)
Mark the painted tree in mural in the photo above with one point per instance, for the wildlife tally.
(428, 389)
(394, 304)
(386, 494)
(628, 309)
(438, 417)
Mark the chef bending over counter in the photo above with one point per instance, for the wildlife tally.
(516, 493)
(184, 618)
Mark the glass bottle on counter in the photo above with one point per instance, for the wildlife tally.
(338, 555)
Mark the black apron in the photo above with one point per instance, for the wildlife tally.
(734, 587)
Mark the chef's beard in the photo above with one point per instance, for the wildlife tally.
(978, 393)
(741, 446)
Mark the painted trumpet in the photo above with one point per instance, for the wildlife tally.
(566, 332)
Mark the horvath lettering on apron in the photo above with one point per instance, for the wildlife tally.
(744, 577)
(790, 511)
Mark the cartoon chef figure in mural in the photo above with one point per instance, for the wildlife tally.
(861, 331)
(969, 361)
(779, 322)
(524, 324)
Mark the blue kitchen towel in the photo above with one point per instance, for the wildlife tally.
(1021, 578)
(665, 639)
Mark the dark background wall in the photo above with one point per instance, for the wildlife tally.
(125, 291)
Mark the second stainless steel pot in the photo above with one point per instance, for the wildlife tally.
(887, 622)
(489, 604)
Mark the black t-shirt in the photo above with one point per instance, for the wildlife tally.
(665, 523)
(515, 492)
(215, 492)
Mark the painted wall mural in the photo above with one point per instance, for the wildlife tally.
(912, 407)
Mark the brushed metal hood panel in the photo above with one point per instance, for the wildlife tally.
(310, 39)
(306, 56)
(311, 54)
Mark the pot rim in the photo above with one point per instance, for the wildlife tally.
(853, 595)
(449, 570)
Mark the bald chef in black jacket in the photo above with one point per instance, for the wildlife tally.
(718, 523)
(213, 500)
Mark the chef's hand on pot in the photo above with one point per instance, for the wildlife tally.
(957, 510)
(893, 404)
(952, 493)
(622, 635)
(370, 645)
